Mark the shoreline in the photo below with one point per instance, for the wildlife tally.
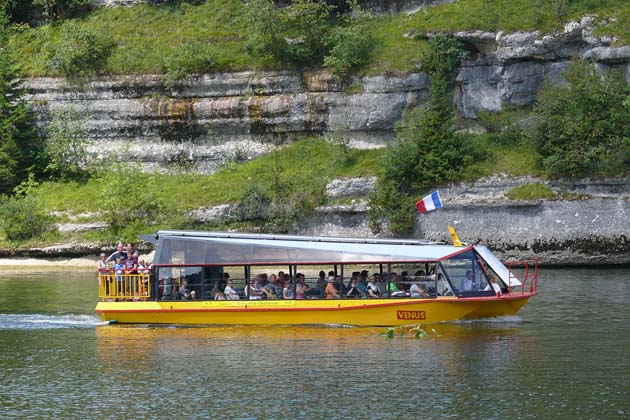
(54, 264)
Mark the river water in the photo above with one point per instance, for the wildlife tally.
(565, 356)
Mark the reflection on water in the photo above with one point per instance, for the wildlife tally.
(564, 356)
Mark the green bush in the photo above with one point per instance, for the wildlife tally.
(505, 128)
(189, 59)
(293, 35)
(130, 199)
(22, 216)
(65, 145)
(309, 32)
(55, 9)
(31, 11)
(582, 129)
(349, 45)
(80, 51)
(533, 191)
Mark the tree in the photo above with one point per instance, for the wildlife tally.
(20, 145)
(65, 144)
(428, 151)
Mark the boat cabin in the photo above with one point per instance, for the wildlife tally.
(227, 266)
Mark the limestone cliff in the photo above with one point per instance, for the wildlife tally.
(209, 116)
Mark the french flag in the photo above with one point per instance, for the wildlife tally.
(430, 202)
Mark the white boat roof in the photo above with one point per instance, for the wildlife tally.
(218, 248)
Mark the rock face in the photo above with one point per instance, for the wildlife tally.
(208, 118)
(593, 229)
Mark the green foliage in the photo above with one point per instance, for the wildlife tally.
(390, 209)
(294, 35)
(56, 9)
(189, 59)
(22, 216)
(533, 191)
(349, 44)
(428, 151)
(308, 32)
(582, 128)
(24, 11)
(443, 56)
(80, 52)
(65, 144)
(141, 48)
(505, 127)
(232, 159)
(130, 199)
(20, 146)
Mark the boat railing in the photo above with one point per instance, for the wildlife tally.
(124, 287)
(528, 276)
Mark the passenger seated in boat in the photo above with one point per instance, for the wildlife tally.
(331, 290)
(467, 284)
(339, 284)
(301, 288)
(184, 291)
(320, 285)
(273, 289)
(373, 290)
(223, 280)
(355, 276)
(253, 290)
(419, 290)
(362, 281)
(353, 289)
(492, 285)
(229, 292)
(287, 291)
(393, 288)
(282, 279)
(217, 295)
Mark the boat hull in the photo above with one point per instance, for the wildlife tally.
(360, 312)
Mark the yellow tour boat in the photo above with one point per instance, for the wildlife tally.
(214, 278)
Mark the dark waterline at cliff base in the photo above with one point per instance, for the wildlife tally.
(564, 356)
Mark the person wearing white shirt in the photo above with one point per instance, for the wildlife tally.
(229, 292)
(467, 284)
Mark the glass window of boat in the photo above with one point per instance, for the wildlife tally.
(180, 283)
(466, 273)
(407, 274)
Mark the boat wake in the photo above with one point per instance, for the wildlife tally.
(45, 322)
(508, 319)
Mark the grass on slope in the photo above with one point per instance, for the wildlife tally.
(303, 167)
(145, 34)
(306, 165)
